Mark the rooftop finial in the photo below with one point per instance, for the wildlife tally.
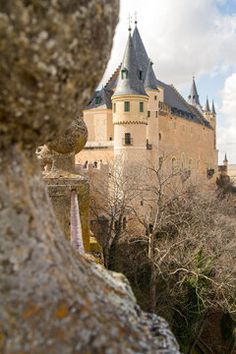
(130, 22)
(135, 18)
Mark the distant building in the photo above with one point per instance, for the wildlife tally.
(232, 173)
(143, 119)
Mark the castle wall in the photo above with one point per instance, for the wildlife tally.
(191, 144)
(99, 124)
(153, 126)
(95, 154)
(184, 143)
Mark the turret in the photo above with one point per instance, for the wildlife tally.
(150, 85)
(213, 108)
(225, 162)
(207, 111)
(150, 82)
(193, 97)
(210, 115)
(142, 57)
(207, 106)
(130, 108)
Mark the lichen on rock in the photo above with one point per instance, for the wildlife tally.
(53, 53)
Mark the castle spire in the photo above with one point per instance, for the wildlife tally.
(141, 53)
(130, 22)
(131, 75)
(135, 18)
(207, 107)
(213, 107)
(150, 79)
(225, 159)
(193, 97)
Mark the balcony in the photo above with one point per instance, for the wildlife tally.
(127, 141)
(148, 146)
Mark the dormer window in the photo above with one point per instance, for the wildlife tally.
(124, 74)
(97, 100)
(140, 75)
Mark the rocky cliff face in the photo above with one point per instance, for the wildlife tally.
(52, 300)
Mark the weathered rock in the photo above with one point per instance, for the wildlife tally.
(49, 49)
(53, 301)
(73, 139)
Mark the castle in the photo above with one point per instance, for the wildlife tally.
(144, 119)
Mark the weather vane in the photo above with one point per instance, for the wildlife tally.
(130, 21)
(135, 18)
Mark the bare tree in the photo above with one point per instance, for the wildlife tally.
(190, 246)
(114, 191)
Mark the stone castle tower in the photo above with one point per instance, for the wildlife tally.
(129, 104)
(210, 115)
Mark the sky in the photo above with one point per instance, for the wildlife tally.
(185, 38)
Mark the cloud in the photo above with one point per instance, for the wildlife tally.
(227, 131)
(182, 37)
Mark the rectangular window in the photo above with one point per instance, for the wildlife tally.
(127, 139)
(97, 100)
(140, 106)
(114, 107)
(155, 98)
(149, 114)
(127, 106)
(156, 114)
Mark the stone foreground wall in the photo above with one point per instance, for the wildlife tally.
(51, 299)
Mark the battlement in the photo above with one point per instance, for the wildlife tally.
(88, 167)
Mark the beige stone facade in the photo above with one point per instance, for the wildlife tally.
(232, 172)
(187, 144)
(148, 123)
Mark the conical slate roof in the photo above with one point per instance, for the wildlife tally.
(207, 107)
(150, 81)
(142, 56)
(193, 97)
(213, 108)
(225, 160)
(131, 76)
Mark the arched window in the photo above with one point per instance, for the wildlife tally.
(160, 136)
(140, 75)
